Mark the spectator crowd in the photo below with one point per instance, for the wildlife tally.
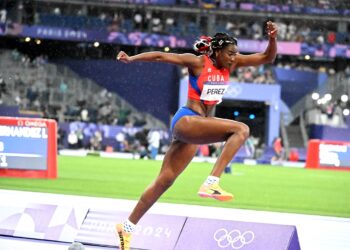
(144, 18)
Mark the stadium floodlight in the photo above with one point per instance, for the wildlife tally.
(315, 96)
(344, 98)
(346, 112)
(328, 97)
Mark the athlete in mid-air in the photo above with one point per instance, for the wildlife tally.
(194, 123)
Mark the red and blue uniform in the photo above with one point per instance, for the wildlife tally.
(208, 87)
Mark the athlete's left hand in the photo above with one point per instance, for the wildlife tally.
(271, 29)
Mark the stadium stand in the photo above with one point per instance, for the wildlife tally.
(55, 91)
(319, 68)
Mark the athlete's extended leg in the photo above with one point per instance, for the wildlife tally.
(203, 130)
(175, 161)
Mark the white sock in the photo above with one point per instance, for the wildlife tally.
(128, 226)
(211, 180)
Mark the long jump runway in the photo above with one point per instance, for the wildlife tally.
(23, 215)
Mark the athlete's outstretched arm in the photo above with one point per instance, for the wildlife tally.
(188, 60)
(261, 58)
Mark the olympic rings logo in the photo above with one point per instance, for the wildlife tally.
(234, 90)
(234, 238)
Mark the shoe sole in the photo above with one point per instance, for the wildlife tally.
(120, 236)
(216, 197)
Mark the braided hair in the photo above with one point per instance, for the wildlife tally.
(206, 44)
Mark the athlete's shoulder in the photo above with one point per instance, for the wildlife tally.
(195, 63)
(195, 57)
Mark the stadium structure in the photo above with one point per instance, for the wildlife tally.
(63, 97)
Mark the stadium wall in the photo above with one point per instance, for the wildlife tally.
(95, 227)
(324, 132)
(149, 87)
(295, 84)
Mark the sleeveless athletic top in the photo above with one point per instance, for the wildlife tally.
(210, 85)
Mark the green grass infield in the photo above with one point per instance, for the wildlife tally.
(268, 188)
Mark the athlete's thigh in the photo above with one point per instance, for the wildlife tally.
(178, 156)
(203, 130)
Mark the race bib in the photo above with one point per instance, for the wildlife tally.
(213, 91)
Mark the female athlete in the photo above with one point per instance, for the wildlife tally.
(194, 123)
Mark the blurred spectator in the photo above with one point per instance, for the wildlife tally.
(3, 15)
(3, 87)
(96, 141)
(278, 149)
(203, 150)
(215, 149)
(84, 115)
(138, 120)
(165, 140)
(256, 30)
(16, 56)
(122, 143)
(129, 132)
(331, 37)
(330, 109)
(282, 29)
(19, 84)
(114, 26)
(105, 113)
(291, 31)
(61, 135)
(80, 135)
(157, 26)
(249, 147)
(347, 71)
(138, 21)
(123, 116)
(63, 86)
(72, 140)
(142, 143)
(153, 143)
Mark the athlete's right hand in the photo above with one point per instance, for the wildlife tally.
(123, 57)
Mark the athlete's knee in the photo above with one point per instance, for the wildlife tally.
(243, 131)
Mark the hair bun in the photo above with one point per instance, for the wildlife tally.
(203, 45)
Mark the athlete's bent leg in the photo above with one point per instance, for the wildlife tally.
(232, 145)
(203, 130)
